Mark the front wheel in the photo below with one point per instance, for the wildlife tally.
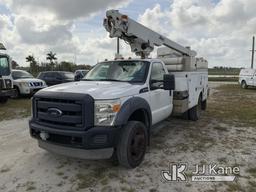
(16, 93)
(244, 85)
(3, 99)
(132, 145)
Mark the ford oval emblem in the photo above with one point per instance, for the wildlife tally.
(54, 112)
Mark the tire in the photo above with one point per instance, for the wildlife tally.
(244, 85)
(113, 159)
(195, 112)
(3, 100)
(16, 93)
(204, 105)
(185, 115)
(132, 145)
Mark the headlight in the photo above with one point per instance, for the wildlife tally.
(105, 112)
(25, 84)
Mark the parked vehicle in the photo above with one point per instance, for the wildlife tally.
(56, 77)
(25, 84)
(114, 109)
(79, 74)
(6, 84)
(247, 77)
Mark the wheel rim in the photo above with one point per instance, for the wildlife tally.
(138, 145)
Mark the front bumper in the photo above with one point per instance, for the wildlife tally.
(30, 90)
(74, 141)
(77, 153)
(7, 92)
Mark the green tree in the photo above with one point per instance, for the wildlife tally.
(14, 64)
(52, 58)
(33, 64)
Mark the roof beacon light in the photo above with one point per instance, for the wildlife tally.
(124, 18)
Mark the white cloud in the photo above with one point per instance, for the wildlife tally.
(37, 26)
(63, 9)
(220, 32)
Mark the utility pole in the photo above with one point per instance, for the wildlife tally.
(253, 51)
(118, 46)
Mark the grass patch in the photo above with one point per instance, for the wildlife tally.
(90, 179)
(30, 186)
(15, 108)
(219, 128)
(85, 181)
(252, 171)
(222, 160)
(232, 103)
(60, 173)
(127, 189)
(229, 79)
(4, 170)
(235, 187)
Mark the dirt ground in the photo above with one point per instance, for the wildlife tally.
(225, 135)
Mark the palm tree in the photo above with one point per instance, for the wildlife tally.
(32, 61)
(51, 57)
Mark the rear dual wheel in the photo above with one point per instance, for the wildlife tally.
(195, 112)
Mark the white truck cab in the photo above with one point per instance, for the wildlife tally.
(247, 77)
(112, 111)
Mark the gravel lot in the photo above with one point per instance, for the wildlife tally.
(213, 139)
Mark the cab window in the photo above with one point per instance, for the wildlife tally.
(157, 74)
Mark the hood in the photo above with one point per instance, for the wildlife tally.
(28, 80)
(97, 89)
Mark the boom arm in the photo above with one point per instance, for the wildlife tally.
(141, 39)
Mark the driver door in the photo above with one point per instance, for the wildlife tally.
(160, 99)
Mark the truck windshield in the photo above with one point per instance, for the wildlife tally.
(21, 75)
(127, 71)
(4, 66)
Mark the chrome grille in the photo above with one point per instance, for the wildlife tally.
(71, 115)
(36, 84)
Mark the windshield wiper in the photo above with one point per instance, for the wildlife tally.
(103, 80)
(87, 80)
(109, 80)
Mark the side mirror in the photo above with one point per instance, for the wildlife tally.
(169, 82)
(77, 78)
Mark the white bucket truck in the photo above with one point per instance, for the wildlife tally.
(113, 110)
(6, 81)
